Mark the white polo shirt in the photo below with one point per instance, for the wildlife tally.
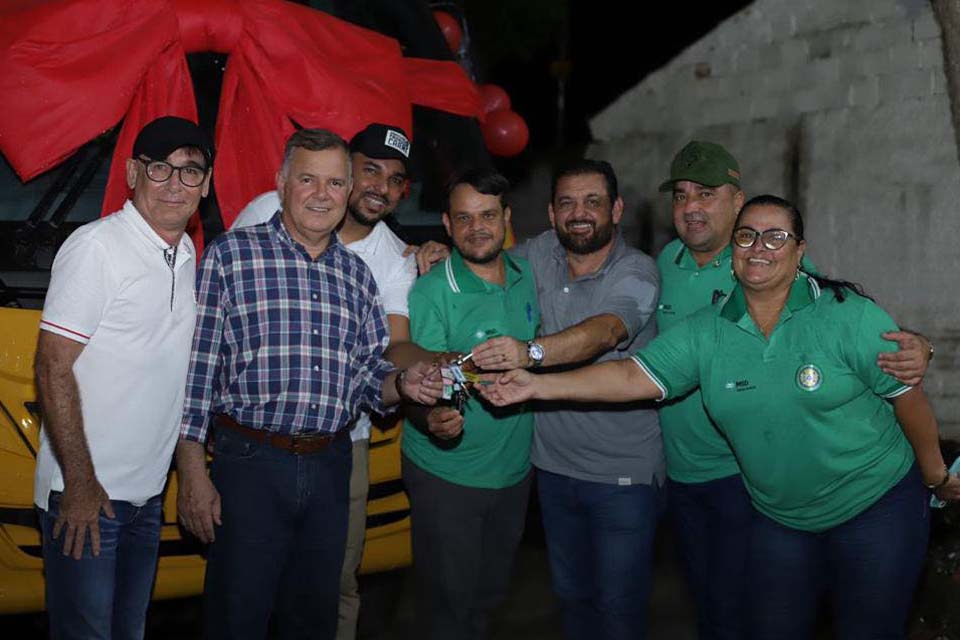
(381, 250)
(112, 290)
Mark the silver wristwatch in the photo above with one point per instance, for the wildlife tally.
(535, 353)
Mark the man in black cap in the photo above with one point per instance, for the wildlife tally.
(379, 155)
(111, 370)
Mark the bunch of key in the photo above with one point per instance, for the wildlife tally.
(457, 382)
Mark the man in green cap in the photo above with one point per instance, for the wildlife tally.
(709, 507)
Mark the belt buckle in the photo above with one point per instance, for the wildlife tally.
(295, 444)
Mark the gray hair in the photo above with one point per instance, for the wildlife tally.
(314, 140)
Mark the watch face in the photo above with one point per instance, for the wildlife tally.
(535, 351)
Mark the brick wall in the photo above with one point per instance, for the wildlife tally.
(842, 107)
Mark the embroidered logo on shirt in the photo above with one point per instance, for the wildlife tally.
(809, 377)
(739, 385)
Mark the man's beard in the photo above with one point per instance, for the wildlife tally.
(482, 258)
(368, 220)
(585, 244)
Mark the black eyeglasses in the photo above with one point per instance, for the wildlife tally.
(772, 239)
(160, 171)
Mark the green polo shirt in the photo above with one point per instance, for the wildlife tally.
(806, 411)
(451, 309)
(696, 451)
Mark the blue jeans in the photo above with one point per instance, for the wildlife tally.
(600, 545)
(711, 524)
(103, 596)
(280, 548)
(868, 567)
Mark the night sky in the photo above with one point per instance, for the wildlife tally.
(610, 46)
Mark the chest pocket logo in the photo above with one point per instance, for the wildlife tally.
(809, 377)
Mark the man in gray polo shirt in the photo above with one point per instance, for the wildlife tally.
(599, 470)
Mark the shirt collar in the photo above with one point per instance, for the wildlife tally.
(280, 231)
(684, 260)
(619, 247)
(133, 215)
(803, 292)
(462, 280)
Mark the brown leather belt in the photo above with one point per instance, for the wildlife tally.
(299, 444)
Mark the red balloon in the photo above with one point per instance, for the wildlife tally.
(450, 29)
(493, 97)
(505, 133)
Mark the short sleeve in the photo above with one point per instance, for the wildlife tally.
(395, 293)
(81, 287)
(427, 327)
(631, 293)
(868, 343)
(672, 359)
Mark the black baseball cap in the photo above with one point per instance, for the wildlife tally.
(382, 142)
(161, 137)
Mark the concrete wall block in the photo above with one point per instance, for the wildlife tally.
(903, 57)
(833, 42)
(770, 56)
(880, 9)
(825, 72)
(794, 52)
(776, 82)
(783, 23)
(866, 63)
(705, 90)
(723, 112)
(915, 83)
(938, 82)
(930, 54)
(765, 106)
(746, 59)
(810, 99)
(882, 35)
(925, 26)
(864, 92)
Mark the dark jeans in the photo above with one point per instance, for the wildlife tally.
(600, 544)
(281, 545)
(464, 543)
(868, 567)
(104, 596)
(711, 525)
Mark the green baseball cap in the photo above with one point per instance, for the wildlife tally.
(705, 163)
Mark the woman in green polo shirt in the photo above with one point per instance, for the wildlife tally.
(835, 453)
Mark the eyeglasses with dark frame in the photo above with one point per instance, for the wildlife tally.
(161, 171)
(772, 239)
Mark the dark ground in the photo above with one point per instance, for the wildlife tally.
(530, 612)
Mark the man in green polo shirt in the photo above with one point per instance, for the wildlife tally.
(468, 475)
(709, 507)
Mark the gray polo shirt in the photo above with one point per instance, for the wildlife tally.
(607, 443)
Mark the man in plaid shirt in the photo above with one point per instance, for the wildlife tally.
(288, 349)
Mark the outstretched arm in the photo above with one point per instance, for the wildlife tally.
(613, 381)
(582, 341)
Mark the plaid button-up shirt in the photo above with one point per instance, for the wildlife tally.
(283, 342)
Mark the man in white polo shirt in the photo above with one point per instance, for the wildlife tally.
(111, 370)
(379, 155)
